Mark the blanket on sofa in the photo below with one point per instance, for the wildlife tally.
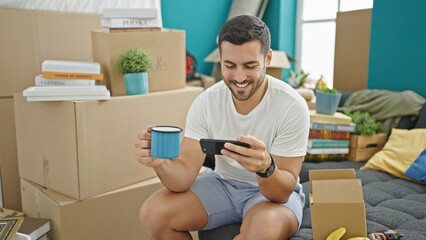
(385, 106)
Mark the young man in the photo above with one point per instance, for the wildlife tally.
(257, 186)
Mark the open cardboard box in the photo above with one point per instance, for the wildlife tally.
(336, 200)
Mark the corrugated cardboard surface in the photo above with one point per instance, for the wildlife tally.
(167, 49)
(28, 37)
(113, 215)
(8, 156)
(336, 200)
(85, 148)
(352, 49)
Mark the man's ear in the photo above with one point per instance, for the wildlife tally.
(268, 58)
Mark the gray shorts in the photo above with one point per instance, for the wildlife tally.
(226, 201)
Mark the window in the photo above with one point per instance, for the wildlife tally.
(315, 35)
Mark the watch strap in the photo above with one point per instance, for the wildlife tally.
(269, 170)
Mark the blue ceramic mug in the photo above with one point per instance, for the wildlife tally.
(165, 142)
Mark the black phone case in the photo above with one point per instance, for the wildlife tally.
(213, 146)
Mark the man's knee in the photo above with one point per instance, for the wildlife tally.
(151, 213)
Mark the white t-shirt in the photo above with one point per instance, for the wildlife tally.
(280, 120)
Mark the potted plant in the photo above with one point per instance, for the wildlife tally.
(135, 63)
(327, 100)
(297, 80)
(367, 139)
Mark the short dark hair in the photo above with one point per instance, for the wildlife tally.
(244, 28)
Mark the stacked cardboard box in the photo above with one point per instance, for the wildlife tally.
(76, 155)
(29, 37)
(8, 156)
(80, 154)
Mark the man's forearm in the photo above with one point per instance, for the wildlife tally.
(279, 186)
(175, 176)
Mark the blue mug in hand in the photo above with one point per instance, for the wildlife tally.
(165, 142)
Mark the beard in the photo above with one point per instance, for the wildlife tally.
(239, 95)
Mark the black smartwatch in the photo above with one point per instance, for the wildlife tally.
(269, 171)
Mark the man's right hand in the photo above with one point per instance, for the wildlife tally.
(143, 150)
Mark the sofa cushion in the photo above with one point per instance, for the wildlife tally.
(417, 170)
(399, 152)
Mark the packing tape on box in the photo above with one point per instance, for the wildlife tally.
(46, 173)
(37, 201)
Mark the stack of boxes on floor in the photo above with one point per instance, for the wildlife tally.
(76, 158)
(328, 137)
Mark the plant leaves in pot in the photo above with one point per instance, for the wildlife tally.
(135, 63)
(327, 101)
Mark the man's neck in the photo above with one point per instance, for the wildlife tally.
(245, 107)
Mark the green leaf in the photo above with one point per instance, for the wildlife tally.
(134, 60)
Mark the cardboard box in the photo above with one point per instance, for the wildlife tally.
(278, 62)
(336, 200)
(85, 148)
(113, 215)
(352, 48)
(167, 48)
(362, 148)
(205, 82)
(11, 195)
(28, 37)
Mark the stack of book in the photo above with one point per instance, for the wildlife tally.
(329, 137)
(68, 80)
(131, 20)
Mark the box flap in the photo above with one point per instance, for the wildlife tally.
(329, 174)
(279, 59)
(337, 191)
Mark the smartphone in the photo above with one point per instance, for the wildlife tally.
(213, 146)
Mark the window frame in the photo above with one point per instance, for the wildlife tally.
(299, 35)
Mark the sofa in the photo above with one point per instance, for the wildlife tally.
(390, 202)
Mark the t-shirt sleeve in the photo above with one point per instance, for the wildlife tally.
(293, 132)
(196, 127)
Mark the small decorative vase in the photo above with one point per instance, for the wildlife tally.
(136, 83)
(327, 103)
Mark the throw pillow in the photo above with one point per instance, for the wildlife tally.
(400, 151)
(417, 170)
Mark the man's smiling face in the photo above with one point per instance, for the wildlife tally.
(243, 68)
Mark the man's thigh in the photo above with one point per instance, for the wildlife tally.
(218, 198)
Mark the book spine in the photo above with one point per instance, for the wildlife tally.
(63, 82)
(130, 13)
(325, 134)
(333, 127)
(120, 30)
(325, 157)
(131, 23)
(327, 150)
(327, 143)
(83, 76)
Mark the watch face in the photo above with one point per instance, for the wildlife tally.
(270, 171)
